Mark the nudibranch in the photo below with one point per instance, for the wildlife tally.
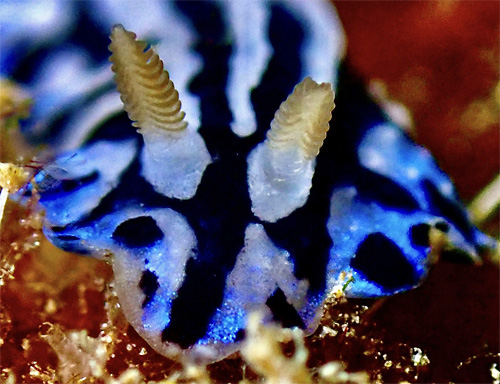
(276, 176)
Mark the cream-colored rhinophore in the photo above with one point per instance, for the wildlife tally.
(280, 169)
(148, 94)
(174, 157)
(302, 120)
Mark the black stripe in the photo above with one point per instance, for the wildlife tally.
(219, 214)
(304, 234)
(90, 34)
(116, 127)
(220, 210)
(284, 69)
(381, 189)
(214, 47)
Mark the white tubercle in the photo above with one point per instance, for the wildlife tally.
(280, 169)
(174, 158)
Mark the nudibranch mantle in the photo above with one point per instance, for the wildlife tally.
(239, 204)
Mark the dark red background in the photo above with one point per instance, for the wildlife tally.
(436, 57)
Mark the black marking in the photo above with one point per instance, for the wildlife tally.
(382, 261)
(148, 285)
(442, 206)
(68, 242)
(240, 335)
(375, 187)
(70, 185)
(115, 128)
(198, 298)
(304, 234)
(442, 226)
(355, 113)
(284, 312)
(283, 70)
(132, 190)
(139, 232)
(28, 191)
(210, 83)
(67, 238)
(87, 34)
(57, 229)
(419, 235)
(27, 66)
